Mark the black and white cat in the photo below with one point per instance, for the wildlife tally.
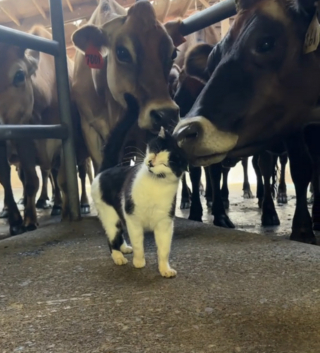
(141, 197)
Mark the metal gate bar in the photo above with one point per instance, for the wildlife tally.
(57, 48)
(208, 17)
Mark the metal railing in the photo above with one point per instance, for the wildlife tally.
(57, 48)
(213, 14)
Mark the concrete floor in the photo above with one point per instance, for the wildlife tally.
(235, 292)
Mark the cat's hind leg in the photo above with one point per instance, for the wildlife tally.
(163, 235)
(114, 231)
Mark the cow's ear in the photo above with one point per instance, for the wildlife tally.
(99, 37)
(89, 35)
(173, 29)
(196, 61)
(32, 58)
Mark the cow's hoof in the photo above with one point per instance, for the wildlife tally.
(307, 237)
(56, 210)
(85, 209)
(282, 198)
(4, 213)
(226, 204)
(30, 227)
(195, 217)
(223, 221)
(17, 229)
(43, 204)
(247, 194)
(270, 219)
(185, 204)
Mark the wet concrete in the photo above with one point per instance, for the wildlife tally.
(235, 292)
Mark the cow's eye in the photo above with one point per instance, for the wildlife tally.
(19, 78)
(265, 45)
(123, 54)
(174, 54)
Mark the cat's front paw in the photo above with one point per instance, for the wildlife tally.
(139, 262)
(167, 271)
(118, 258)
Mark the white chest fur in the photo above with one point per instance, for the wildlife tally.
(152, 198)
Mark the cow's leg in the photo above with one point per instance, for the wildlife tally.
(42, 202)
(196, 207)
(218, 211)
(14, 217)
(301, 173)
(27, 157)
(274, 175)
(57, 201)
(93, 137)
(311, 199)
(52, 182)
(209, 192)
(89, 169)
(269, 215)
(4, 213)
(260, 188)
(84, 201)
(185, 194)
(225, 189)
(247, 194)
(23, 198)
(282, 189)
(312, 134)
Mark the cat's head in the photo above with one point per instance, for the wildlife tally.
(164, 158)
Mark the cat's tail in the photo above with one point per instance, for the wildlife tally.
(113, 147)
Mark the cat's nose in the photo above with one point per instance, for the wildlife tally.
(150, 164)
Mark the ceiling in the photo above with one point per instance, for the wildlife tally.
(23, 14)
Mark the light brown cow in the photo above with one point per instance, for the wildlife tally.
(28, 95)
(138, 55)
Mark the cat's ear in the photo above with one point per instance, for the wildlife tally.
(162, 133)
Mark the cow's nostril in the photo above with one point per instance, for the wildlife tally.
(157, 116)
(192, 135)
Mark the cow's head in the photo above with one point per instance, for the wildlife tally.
(259, 81)
(139, 53)
(16, 92)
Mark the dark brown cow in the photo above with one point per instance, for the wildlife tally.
(261, 86)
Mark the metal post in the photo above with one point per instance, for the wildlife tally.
(57, 24)
(207, 17)
(30, 41)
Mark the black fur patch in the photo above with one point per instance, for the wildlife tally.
(172, 211)
(118, 239)
(129, 205)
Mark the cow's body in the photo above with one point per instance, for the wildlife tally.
(29, 96)
(261, 88)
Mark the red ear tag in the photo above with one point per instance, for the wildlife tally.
(93, 58)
